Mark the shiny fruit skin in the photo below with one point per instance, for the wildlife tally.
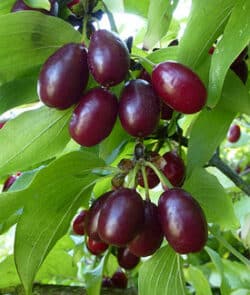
(234, 133)
(96, 247)
(152, 178)
(64, 76)
(121, 217)
(126, 259)
(241, 70)
(9, 181)
(119, 280)
(150, 237)
(183, 221)
(94, 117)
(139, 108)
(91, 224)
(174, 169)
(108, 58)
(179, 87)
(79, 222)
(19, 5)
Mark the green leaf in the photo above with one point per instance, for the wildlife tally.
(205, 23)
(5, 6)
(38, 135)
(196, 278)
(225, 288)
(35, 36)
(212, 197)
(162, 274)
(110, 148)
(45, 4)
(207, 132)
(8, 274)
(159, 18)
(235, 37)
(26, 87)
(137, 7)
(52, 200)
(94, 277)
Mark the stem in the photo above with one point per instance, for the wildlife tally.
(229, 247)
(110, 18)
(162, 177)
(145, 181)
(132, 177)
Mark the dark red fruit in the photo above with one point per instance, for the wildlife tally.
(95, 247)
(107, 282)
(150, 237)
(139, 108)
(64, 76)
(241, 70)
(94, 117)
(20, 6)
(121, 217)
(152, 178)
(179, 87)
(2, 124)
(211, 50)
(166, 112)
(144, 75)
(79, 222)
(91, 224)
(234, 133)
(10, 180)
(126, 259)
(119, 280)
(108, 58)
(174, 169)
(183, 221)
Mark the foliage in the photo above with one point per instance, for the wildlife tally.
(60, 177)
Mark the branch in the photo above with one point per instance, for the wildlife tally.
(39, 289)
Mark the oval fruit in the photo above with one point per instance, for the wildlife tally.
(126, 259)
(174, 169)
(19, 5)
(183, 221)
(139, 108)
(94, 117)
(108, 58)
(121, 217)
(179, 87)
(91, 224)
(64, 76)
(150, 237)
(96, 247)
(79, 222)
(234, 133)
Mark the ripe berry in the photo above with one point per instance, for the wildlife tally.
(79, 222)
(91, 224)
(234, 133)
(166, 112)
(241, 70)
(119, 280)
(139, 108)
(96, 247)
(152, 178)
(107, 282)
(10, 180)
(121, 217)
(183, 221)
(150, 237)
(64, 76)
(19, 5)
(108, 58)
(179, 87)
(126, 259)
(174, 169)
(94, 117)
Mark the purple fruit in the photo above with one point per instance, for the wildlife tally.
(126, 259)
(108, 58)
(64, 76)
(94, 117)
(183, 221)
(139, 108)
